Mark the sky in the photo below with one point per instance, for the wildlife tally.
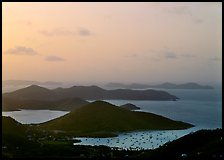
(112, 42)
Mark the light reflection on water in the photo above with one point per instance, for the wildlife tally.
(137, 140)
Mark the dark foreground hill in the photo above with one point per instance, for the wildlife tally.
(203, 144)
(68, 104)
(19, 142)
(104, 118)
(15, 137)
(35, 92)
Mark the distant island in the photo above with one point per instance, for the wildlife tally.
(35, 92)
(68, 104)
(100, 118)
(130, 106)
(166, 85)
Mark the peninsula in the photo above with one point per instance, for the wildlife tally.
(103, 119)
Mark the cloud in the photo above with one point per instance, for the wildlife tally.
(183, 10)
(84, 32)
(156, 59)
(187, 55)
(25, 22)
(65, 32)
(54, 58)
(131, 56)
(170, 55)
(215, 59)
(58, 32)
(198, 21)
(21, 50)
(180, 10)
(107, 17)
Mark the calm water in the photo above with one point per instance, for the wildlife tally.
(34, 116)
(137, 140)
(203, 108)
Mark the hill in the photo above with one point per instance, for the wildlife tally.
(35, 92)
(11, 125)
(14, 137)
(102, 118)
(190, 85)
(68, 104)
(129, 106)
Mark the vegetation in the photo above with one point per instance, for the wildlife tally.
(203, 144)
(100, 118)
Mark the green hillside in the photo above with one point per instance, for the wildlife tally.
(11, 125)
(102, 117)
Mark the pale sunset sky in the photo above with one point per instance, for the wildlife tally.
(112, 42)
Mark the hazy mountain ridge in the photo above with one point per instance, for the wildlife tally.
(167, 85)
(35, 92)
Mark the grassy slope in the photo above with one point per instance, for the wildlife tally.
(101, 116)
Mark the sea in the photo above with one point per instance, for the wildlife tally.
(200, 107)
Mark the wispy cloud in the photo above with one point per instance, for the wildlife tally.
(187, 55)
(156, 59)
(170, 55)
(21, 50)
(25, 22)
(182, 10)
(198, 21)
(58, 32)
(215, 59)
(65, 32)
(84, 32)
(130, 56)
(53, 58)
